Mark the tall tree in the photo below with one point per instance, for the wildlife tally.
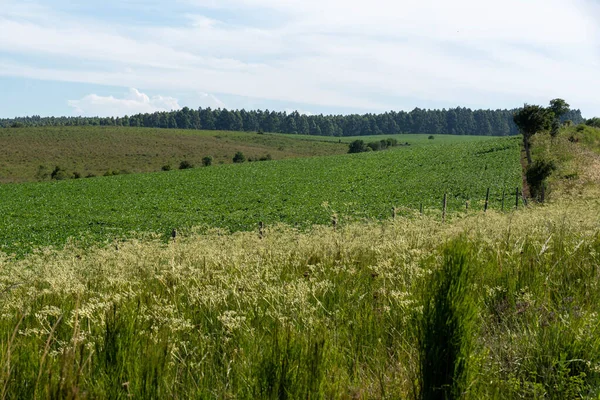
(531, 120)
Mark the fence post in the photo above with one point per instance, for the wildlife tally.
(421, 208)
(444, 207)
(487, 200)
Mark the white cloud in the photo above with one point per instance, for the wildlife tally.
(208, 100)
(343, 53)
(134, 102)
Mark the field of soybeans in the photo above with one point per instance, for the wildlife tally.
(299, 193)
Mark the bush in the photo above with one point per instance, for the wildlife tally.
(431, 137)
(358, 146)
(260, 132)
(595, 122)
(239, 157)
(166, 167)
(76, 175)
(536, 176)
(375, 146)
(185, 165)
(207, 161)
(59, 174)
(42, 173)
(266, 158)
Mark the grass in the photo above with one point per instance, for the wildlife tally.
(498, 305)
(96, 150)
(299, 192)
(318, 314)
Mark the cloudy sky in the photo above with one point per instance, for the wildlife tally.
(117, 57)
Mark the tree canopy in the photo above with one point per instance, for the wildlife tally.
(454, 121)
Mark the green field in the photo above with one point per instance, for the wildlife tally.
(96, 150)
(298, 192)
(496, 305)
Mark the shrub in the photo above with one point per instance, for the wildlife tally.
(536, 176)
(595, 122)
(59, 174)
(166, 167)
(185, 165)
(207, 161)
(358, 146)
(431, 137)
(42, 173)
(76, 175)
(266, 158)
(260, 132)
(239, 157)
(375, 146)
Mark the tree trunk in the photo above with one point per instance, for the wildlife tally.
(527, 149)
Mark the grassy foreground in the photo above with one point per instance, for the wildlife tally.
(340, 314)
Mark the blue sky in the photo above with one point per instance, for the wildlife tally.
(60, 57)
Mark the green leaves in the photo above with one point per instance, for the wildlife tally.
(237, 197)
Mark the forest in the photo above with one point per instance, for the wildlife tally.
(455, 121)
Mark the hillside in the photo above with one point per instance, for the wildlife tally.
(300, 192)
(98, 150)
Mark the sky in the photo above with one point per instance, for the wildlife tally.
(120, 57)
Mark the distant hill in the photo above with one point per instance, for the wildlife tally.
(33, 153)
(455, 121)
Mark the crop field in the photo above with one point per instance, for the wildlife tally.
(298, 192)
(98, 150)
(411, 138)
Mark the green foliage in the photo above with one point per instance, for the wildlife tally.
(239, 157)
(185, 165)
(537, 173)
(166, 167)
(59, 174)
(559, 107)
(207, 161)
(530, 120)
(509, 306)
(594, 122)
(446, 328)
(290, 191)
(42, 173)
(455, 121)
(431, 137)
(357, 146)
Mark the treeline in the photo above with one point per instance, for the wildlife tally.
(455, 121)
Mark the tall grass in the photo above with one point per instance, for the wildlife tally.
(509, 306)
(447, 327)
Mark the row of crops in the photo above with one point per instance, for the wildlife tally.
(298, 192)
